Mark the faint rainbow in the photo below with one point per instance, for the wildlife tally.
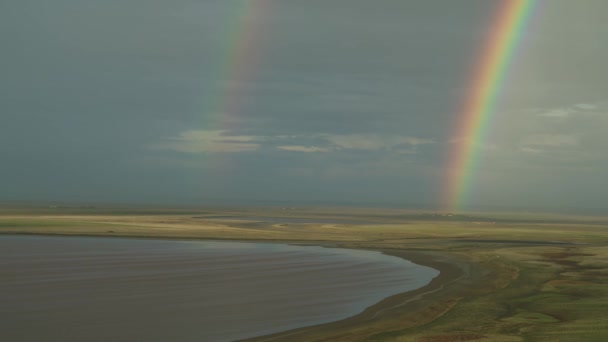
(236, 63)
(479, 106)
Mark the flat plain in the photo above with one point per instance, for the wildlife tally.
(504, 277)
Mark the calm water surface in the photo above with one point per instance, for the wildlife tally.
(111, 289)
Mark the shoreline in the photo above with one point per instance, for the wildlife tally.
(454, 274)
(451, 271)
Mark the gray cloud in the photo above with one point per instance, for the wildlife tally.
(306, 149)
(222, 141)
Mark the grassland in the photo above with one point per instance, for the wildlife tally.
(504, 277)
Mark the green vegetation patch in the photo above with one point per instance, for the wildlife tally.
(523, 316)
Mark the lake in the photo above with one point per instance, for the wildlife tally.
(122, 289)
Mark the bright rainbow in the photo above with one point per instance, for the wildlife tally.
(487, 81)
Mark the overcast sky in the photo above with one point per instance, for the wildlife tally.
(316, 101)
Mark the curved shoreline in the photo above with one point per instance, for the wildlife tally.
(411, 306)
(452, 271)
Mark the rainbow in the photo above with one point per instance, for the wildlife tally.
(236, 63)
(479, 107)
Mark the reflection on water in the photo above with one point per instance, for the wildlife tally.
(109, 289)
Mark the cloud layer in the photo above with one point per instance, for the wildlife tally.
(223, 141)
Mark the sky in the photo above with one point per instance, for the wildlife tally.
(310, 102)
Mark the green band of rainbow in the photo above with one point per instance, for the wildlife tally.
(487, 82)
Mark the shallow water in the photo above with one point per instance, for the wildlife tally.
(112, 289)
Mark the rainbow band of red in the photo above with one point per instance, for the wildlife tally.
(487, 82)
